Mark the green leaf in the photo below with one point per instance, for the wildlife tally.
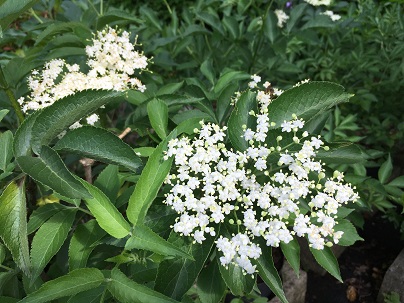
(42, 214)
(83, 243)
(49, 169)
(90, 141)
(397, 182)
(145, 238)
(228, 78)
(271, 29)
(208, 71)
(74, 282)
(6, 149)
(53, 119)
(210, 285)
(327, 260)
(106, 214)
(268, 272)
(58, 28)
(49, 239)
(23, 136)
(240, 117)
(150, 16)
(115, 15)
(13, 224)
(295, 15)
(291, 251)
(385, 170)
(224, 102)
(128, 291)
(176, 276)
(149, 183)
(89, 296)
(169, 89)
(8, 299)
(12, 9)
(232, 26)
(108, 182)
(158, 116)
(238, 282)
(341, 153)
(306, 101)
(3, 113)
(350, 235)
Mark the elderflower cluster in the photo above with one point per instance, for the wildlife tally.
(318, 2)
(282, 17)
(334, 17)
(112, 62)
(257, 191)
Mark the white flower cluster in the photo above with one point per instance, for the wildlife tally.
(334, 17)
(258, 191)
(318, 2)
(281, 16)
(112, 60)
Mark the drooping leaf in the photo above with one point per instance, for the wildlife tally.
(295, 15)
(49, 169)
(12, 9)
(90, 141)
(58, 28)
(306, 101)
(128, 291)
(149, 183)
(74, 282)
(144, 238)
(350, 235)
(23, 136)
(176, 276)
(239, 283)
(158, 116)
(228, 78)
(83, 243)
(210, 284)
(49, 239)
(53, 119)
(6, 149)
(13, 224)
(108, 182)
(240, 117)
(106, 214)
(291, 251)
(208, 71)
(268, 272)
(327, 260)
(341, 153)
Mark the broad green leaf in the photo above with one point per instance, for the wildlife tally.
(211, 19)
(106, 214)
(42, 214)
(12, 9)
(238, 282)
(341, 153)
(191, 114)
(291, 251)
(210, 284)
(150, 16)
(327, 260)
(145, 238)
(74, 282)
(228, 78)
(3, 113)
(268, 272)
(170, 88)
(13, 224)
(83, 243)
(159, 218)
(58, 28)
(149, 183)
(223, 104)
(53, 119)
(6, 149)
(119, 16)
(295, 15)
(397, 182)
(208, 71)
(232, 26)
(350, 235)
(89, 296)
(158, 116)
(49, 169)
(271, 30)
(385, 170)
(108, 182)
(90, 141)
(176, 276)
(23, 136)
(4, 299)
(49, 239)
(240, 117)
(306, 101)
(319, 21)
(127, 291)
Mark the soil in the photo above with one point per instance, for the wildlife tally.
(362, 265)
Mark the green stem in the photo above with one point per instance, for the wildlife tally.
(35, 15)
(6, 268)
(168, 7)
(85, 211)
(92, 5)
(102, 7)
(14, 103)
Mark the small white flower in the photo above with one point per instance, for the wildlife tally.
(282, 17)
